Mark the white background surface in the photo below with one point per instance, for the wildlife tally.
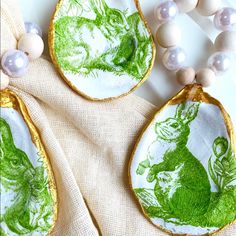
(198, 35)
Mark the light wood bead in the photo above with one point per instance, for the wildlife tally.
(32, 44)
(208, 7)
(168, 35)
(205, 77)
(186, 5)
(185, 76)
(4, 81)
(226, 41)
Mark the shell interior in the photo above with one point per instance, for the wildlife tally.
(28, 191)
(183, 170)
(102, 48)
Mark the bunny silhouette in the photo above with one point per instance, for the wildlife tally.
(182, 184)
(111, 42)
(182, 187)
(32, 207)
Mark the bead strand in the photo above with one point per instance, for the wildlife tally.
(15, 62)
(169, 36)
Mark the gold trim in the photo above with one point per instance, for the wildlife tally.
(193, 92)
(8, 99)
(51, 35)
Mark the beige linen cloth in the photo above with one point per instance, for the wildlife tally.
(89, 145)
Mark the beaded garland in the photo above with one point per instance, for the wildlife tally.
(169, 35)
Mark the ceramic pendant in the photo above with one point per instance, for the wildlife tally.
(183, 170)
(102, 48)
(28, 191)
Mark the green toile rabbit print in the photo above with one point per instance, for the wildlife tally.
(32, 208)
(182, 194)
(110, 41)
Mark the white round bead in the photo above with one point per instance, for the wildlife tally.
(168, 34)
(32, 44)
(185, 76)
(219, 62)
(225, 19)
(208, 7)
(165, 11)
(4, 81)
(186, 5)
(226, 41)
(174, 58)
(15, 63)
(205, 77)
(31, 27)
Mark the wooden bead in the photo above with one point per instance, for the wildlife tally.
(168, 35)
(208, 7)
(226, 41)
(186, 5)
(32, 44)
(185, 76)
(205, 77)
(4, 81)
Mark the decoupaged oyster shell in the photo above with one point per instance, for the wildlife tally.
(28, 190)
(102, 48)
(183, 169)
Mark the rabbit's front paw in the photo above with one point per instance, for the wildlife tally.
(169, 181)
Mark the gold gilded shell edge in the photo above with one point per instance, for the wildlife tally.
(51, 34)
(192, 92)
(8, 99)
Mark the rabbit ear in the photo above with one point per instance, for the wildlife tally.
(187, 113)
(99, 6)
(191, 113)
(6, 139)
(179, 111)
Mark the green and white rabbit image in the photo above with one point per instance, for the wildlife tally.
(31, 210)
(182, 184)
(112, 41)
